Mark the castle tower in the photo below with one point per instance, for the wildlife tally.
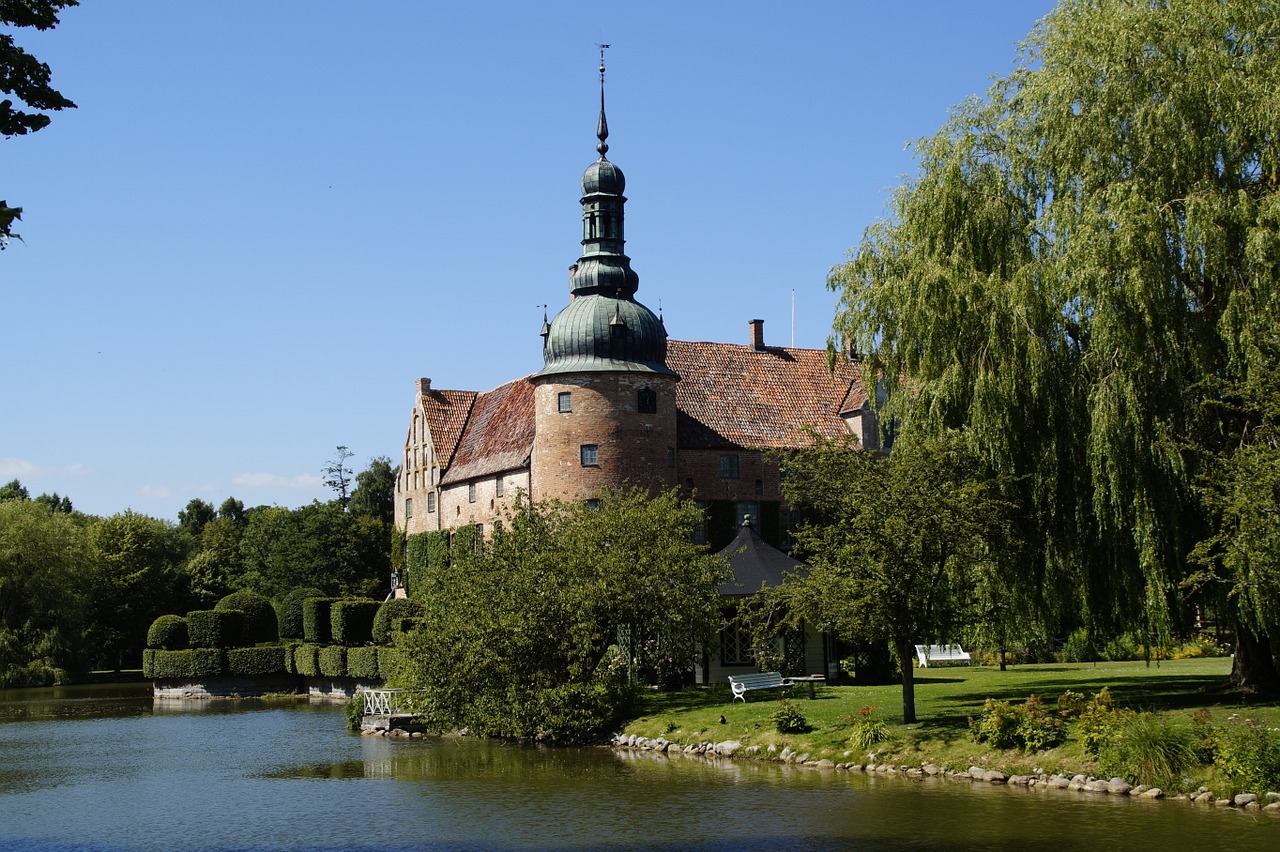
(605, 411)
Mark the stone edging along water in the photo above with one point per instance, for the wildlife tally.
(1269, 803)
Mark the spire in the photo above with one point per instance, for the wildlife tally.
(602, 126)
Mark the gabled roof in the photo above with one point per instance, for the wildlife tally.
(755, 563)
(731, 395)
(498, 435)
(446, 412)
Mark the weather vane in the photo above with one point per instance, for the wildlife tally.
(603, 48)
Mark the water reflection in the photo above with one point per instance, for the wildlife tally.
(223, 775)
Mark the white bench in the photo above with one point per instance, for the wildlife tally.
(941, 654)
(741, 684)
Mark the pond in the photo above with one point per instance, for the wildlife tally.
(105, 768)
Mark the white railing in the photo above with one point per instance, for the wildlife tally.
(381, 702)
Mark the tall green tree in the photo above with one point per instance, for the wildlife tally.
(375, 490)
(897, 545)
(196, 514)
(132, 579)
(519, 633)
(28, 79)
(319, 545)
(43, 603)
(1083, 255)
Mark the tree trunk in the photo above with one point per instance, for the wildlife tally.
(1254, 668)
(908, 682)
(1002, 664)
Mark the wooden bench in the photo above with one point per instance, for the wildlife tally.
(941, 654)
(742, 684)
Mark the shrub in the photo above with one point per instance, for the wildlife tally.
(206, 662)
(215, 628)
(351, 621)
(333, 661)
(1028, 726)
(788, 719)
(149, 662)
(362, 663)
(1249, 753)
(1097, 723)
(354, 711)
(316, 628)
(289, 611)
(168, 632)
(166, 664)
(1147, 749)
(306, 660)
(1079, 648)
(390, 616)
(256, 661)
(867, 731)
(388, 660)
(260, 622)
(1125, 647)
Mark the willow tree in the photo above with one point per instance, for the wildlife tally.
(1085, 254)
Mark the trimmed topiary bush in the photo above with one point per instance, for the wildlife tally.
(333, 661)
(266, 660)
(316, 628)
(148, 662)
(168, 632)
(207, 662)
(362, 663)
(215, 628)
(351, 621)
(260, 622)
(191, 663)
(388, 659)
(289, 611)
(390, 616)
(306, 660)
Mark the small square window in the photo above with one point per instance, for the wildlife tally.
(497, 487)
(728, 467)
(565, 401)
(431, 501)
(408, 507)
(471, 492)
(590, 455)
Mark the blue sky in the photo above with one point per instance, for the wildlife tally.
(266, 220)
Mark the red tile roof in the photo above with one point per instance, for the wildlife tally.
(498, 435)
(731, 395)
(728, 396)
(446, 412)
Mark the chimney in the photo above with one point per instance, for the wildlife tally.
(424, 387)
(757, 334)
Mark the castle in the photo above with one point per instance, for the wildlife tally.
(618, 403)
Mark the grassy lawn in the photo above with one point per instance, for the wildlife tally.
(945, 699)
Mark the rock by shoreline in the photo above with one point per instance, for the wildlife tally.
(974, 774)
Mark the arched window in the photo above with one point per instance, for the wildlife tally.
(646, 401)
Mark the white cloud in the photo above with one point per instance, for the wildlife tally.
(275, 480)
(159, 492)
(19, 468)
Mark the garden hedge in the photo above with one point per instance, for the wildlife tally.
(260, 622)
(265, 660)
(333, 661)
(388, 659)
(351, 621)
(316, 627)
(306, 660)
(390, 616)
(168, 632)
(190, 663)
(215, 628)
(289, 611)
(362, 663)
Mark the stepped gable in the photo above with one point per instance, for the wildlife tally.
(498, 435)
(740, 396)
(446, 412)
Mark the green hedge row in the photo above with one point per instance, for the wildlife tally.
(364, 663)
(351, 621)
(391, 616)
(215, 628)
(260, 622)
(290, 611)
(317, 626)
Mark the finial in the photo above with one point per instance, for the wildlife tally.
(602, 126)
(546, 326)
